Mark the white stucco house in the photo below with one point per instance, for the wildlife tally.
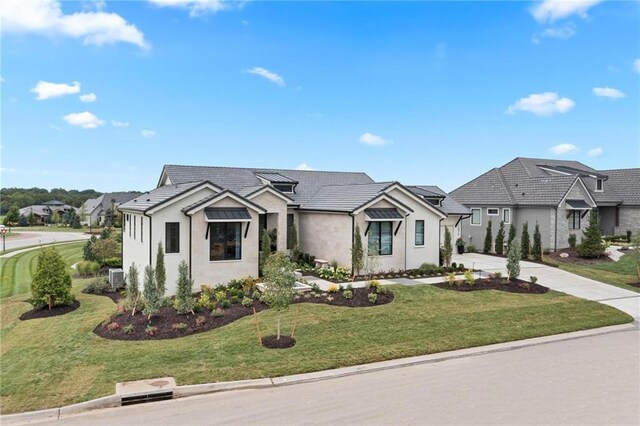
(212, 217)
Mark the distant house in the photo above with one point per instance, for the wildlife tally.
(97, 207)
(557, 195)
(213, 218)
(43, 212)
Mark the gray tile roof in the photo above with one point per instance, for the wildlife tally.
(529, 181)
(275, 177)
(157, 196)
(449, 205)
(626, 183)
(578, 204)
(103, 201)
(345, 198)
(238, 179)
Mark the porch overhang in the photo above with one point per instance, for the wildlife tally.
(227, 214)
(577, 205)
(383, 215)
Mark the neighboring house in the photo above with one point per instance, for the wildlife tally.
(213, 218)
(557, 195)
(43, 212)
(96, 207)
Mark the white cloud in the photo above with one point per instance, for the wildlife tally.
(595, 152)
(553, 10)
(45, 90)
(146, 133)
(116, 123)
(89, 97)
(636, 65)
(373, 140)
(265, 73)
(86, 120)
(608, 92)
(564, 32)
(564, 148)
(547, 103)
(46, 17)
(196, 7)
(7, 170)
(304, 166)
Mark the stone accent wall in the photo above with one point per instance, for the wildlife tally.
(629, 221)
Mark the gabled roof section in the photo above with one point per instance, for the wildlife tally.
(160, 196)
(449, 205)
(275, 177)
(192, 208)
(251, 192)
(344, 198)
(236, 179)
(626, 183)
(488, 188)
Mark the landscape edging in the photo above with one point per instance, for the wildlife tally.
(205, 388)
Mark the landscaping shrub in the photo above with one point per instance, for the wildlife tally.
(279, 280)
(247, 301)
(533, 279)
(461, 267)
(428, 268)
(87, 251)
(357, 252)
(133, 291)
(374, 284)
(537, 244)
(87, 268)
(150, 293)
(347, 294)
(525, 246)
(200, 320)
(382, 290)
(51, 285)
(333, 288)
(451, 278)
(471, 249)
(114, 262)
(128, 329)
(488, 239)
(591, 245)
(104, 248)
(373, 297)
(512, 235)
(256, 295)
(499, 248)
(468, 277)
(234, 300)
(98, 286)
(454, 265)
(572, 240)
(225, 304)
(161, 273)
(217, 312)
(184, 291)
(178, 326)
(513, 260)
(447, 250)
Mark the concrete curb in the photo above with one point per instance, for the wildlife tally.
(206, 388)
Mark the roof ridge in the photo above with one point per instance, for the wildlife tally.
(506, 187)
(260, 169)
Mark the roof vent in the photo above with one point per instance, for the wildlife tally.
(148, 199)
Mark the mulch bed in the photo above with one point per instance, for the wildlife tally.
(116, 296)
(575, 259)
(636, 284)
(284, 342)
(502, 284)
(46, 312)
(412, 274)
(167, 318)
(360, 298)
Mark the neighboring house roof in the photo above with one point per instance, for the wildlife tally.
(243, 181)
(535, 181)
(45, 209)
(54, 203)
(626, 183)
(448, 204)
(102, 202)
(157, 196)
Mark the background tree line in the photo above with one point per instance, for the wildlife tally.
(23, 197)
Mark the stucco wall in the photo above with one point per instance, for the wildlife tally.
(135, 250)
(275, 204)
(576, 193)
(474, 234)
(629, 221)
(326, 236)
(535, 215)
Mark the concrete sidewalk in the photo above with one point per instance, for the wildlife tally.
(557, 279)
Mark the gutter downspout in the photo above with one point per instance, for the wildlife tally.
(150, 238)
(405, 241)
(190, 245)
(353, 220)
(439, 238)
(555, 240)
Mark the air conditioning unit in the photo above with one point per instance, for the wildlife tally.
(116, 278)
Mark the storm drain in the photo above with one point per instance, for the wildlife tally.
(144, 391)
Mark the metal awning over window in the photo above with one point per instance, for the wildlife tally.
(227, 214)
(387, 214)
(578, 205)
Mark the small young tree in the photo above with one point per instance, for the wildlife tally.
(184, 292)
(636, 243)
(133, 289)
(161, 273)
(12, 217)
(513, 260)
(265, 248)
(31, 219)
(82, 214)
(87, 251)
(55, 218)
(22, 221)
(525, 248)
(591, 245)
(105, 233)
(104, 249)
(51, 285)
(357, 253)
(488, 239)
(279, 280)
(447, 250)
(110, 215)
(150, 293)
(512, 235)
(500, 240)
(293, 242)
(537, 244)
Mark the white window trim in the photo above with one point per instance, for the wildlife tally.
(493, 208)
(602, 185)
(509, 210)
(471, 218)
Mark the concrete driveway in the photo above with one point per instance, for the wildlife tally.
(557, 279)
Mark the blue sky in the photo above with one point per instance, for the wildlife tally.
(420, 92)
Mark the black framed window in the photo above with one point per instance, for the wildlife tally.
(381, 238)
(574, 219)
(419, 232)
(172, 237)
(599, 185)
(284, 187)
(225, 241)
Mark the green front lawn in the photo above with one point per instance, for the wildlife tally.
(618, 273)
(56, 361)
(16, 271)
